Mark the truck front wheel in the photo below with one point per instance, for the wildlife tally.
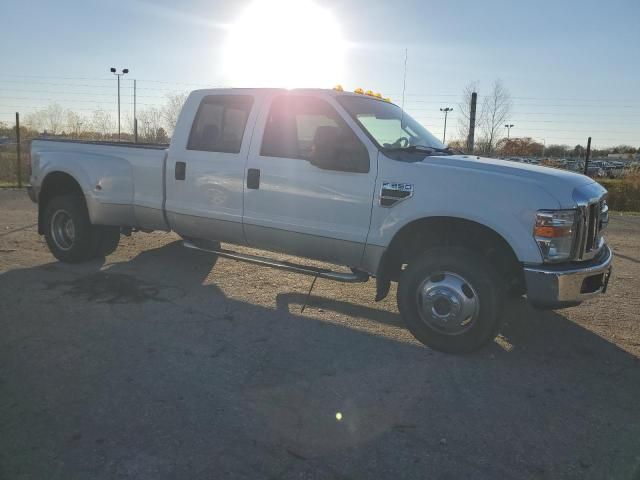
(451, 299)
(68, 231)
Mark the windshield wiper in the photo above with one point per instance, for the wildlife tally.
(448, 150)
(421, 149)
(410, 148)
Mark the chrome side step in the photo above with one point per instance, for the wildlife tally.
(354, 276)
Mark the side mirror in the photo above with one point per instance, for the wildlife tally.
(332, 150)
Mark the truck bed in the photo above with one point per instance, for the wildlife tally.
(123, 182)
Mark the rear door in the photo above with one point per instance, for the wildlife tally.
(206, 166)
(294, 206)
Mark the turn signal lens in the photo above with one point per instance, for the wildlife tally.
(555, 232)
(551, 232)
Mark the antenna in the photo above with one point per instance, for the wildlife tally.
(404, 85)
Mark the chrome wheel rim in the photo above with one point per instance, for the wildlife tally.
(448, 303)
(63, 231)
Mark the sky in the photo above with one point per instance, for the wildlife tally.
(572, 67)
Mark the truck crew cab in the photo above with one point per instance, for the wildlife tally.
(346, 178)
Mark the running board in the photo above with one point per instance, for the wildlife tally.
(355, 276)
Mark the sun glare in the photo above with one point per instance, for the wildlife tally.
(284, 43)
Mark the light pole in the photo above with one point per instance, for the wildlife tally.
(446, 111)
(509, 127)
(135, 118)
(124, 71)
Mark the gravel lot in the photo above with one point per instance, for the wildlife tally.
(163, 363)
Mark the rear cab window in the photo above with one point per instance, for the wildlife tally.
(220, 123)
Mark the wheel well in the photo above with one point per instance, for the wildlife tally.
(53, 185)
(420, 235)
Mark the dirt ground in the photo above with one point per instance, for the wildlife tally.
(163, 363)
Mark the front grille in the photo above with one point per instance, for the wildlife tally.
(592, 227)
(594, 218)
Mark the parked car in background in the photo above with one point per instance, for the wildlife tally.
(594, 171)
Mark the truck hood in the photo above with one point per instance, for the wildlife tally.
(561, 184)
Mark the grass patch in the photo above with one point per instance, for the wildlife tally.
(9, 170)
(624, 193)
(625, 214)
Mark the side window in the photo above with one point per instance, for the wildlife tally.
(302, 127)
(220, 123)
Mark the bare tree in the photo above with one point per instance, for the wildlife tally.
(557, 150)
(496, 108)
(49, 119)
(492, 112)
(150, 123)
(524, 146)
(172, 109)
(35, 120)
(75, 123)
(102, 123)
(127, 120)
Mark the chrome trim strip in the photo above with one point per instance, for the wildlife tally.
(589, 228)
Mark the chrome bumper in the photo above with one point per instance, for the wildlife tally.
(558, 286)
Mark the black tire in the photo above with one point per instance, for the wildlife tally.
(472, 276)
(106, 239)
(75, 247)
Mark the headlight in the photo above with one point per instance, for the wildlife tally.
(555, 231)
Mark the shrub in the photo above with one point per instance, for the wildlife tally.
(624, 193)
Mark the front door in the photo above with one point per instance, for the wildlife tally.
(293, 206)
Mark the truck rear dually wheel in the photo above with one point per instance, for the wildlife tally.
(68, 231)
(451, 299)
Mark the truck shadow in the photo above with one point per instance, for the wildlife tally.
(285, 301)
(146, 369)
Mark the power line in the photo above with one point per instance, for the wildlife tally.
(409, 107)
(75, 85)
(100, 79)
(90, 94)
(588, 99)
(106, 80)
(54, 100)
(87, 94)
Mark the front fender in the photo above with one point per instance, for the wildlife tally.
(502, 203)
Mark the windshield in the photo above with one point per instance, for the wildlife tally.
(387, 125)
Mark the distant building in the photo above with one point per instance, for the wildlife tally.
(620, 156)
(4, 140)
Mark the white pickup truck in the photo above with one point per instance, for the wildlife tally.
(346, 178)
